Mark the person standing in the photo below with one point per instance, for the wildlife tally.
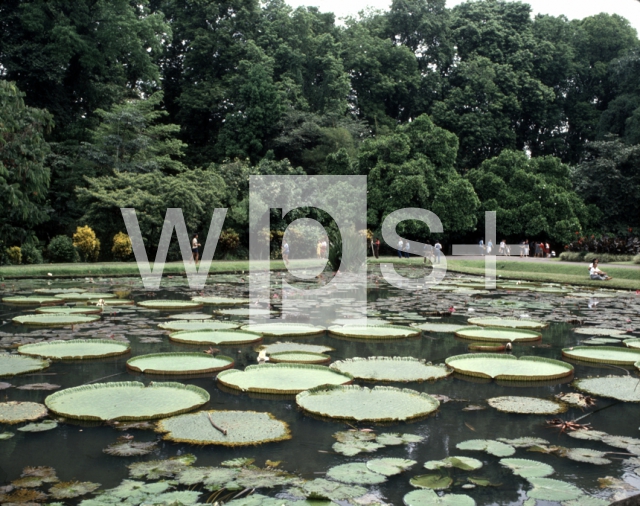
(526, 248)
(501, 249)
(481, 247)
(400, 245)
(547, 250)
(407, 247)
(489, 247)
(376, 248)
(438, 248)
(195, 245)
(427, 252)
(323, 248)
(285, 253)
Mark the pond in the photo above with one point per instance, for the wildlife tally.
(74, 448)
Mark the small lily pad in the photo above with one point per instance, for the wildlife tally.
(524, 442)
(12, 365)
(55, 320)
(39, 386)
(220, 301)
(327, 489)
(127, 447)
(356, 473)
(390, 466)
(394, 439)
(599, 331)
(487, 445)
(464, 463)
(585, 455)
(284, 329)
(177, 326)
(622, 388)
(6, 435)
(299, 357)
(155, 469)
(447, 328)
(239, 462)
(432, 481)
(15, 412)
(528, 468)
(430, 498)
(39, 427)
(547, 489)
(71, 489)
(526, 405)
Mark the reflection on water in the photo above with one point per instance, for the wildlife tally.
(75, 449)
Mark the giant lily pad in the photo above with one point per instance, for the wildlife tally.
(487, 445)
(16, 412)
(126, 400)
(299, 357)
(198, 325)
(427, 497)
(506, 322)
(179, 363)
(356, 473)
(390, 466)
(632, 343)
(110, 302)
(288, 346)
(374, 331)
(69, 310)
(464, 463)
(244, 311)
(32, 300)
(508, 367)
(498, 334)
(547, 489)
(379, 404)
(527, 405)
(284, 329)
(281, 378)
(219, 301)
(55, 320)
(600, 331)
(528, 468)
(58, 291)
(170, 305)
(622, 388)
(12, 365)
(85, 296)
(603, 354)
(242, 428)
(447, 328)
(191, 316)
(391, 369)
(219, 337)
(77, 349)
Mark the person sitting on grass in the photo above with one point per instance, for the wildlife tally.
(596, 273)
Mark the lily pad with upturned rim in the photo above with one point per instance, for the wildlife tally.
(13, 365)
(527, 405)
(85, 296)
(600, 331)
(528, 468)
(281, 379)
(290, 346)
(374, 331)
(177, 326)
(622, 388)
(447, 328)
(603, 354)
(60, 320)
(632, 343)
(169, 305)
(243, 428)
(190, 316)
(76, 349)
(378, 404)
(427, 497)
(507, 322)
(299, 357)
(498, 334)
(391, 369)
(32, 300)
(57, 291)
(220, 301)
(15, 412)
(284, 329)
(248, 312)
(179, 363)
(126, 400)
(508, 367)
(218, 337)
(69, 310)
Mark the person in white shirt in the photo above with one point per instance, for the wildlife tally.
(400, 244)
(195, 252)
(596, 273)
(438, 248)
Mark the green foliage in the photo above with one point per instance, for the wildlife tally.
(229, 240)
(14, 255)
(121, 248)
(87, 244)
(31, 254)
(531, 197)
(62, 250)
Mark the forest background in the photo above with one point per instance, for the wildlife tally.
(175, 103)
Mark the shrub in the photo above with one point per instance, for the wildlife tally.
(62, 250)
(31, 254)
(581, 256)
(121, 248)
(572, 256)
(229, 240)
(636, 259)
(87, 243)
(14, 255)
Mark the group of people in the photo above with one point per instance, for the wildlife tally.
(429, 252)
(321, 248)
(541, 249)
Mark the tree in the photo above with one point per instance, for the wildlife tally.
(24, 178)
(531, 197)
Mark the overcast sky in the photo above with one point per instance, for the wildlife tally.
(573, 9)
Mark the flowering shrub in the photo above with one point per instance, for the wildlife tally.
(87, 243)
(121, 248)
(14, 255)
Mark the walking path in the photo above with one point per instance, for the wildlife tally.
(516, 258)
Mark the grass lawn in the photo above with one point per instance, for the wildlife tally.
(550, 271)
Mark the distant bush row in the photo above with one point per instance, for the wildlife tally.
(583, 256)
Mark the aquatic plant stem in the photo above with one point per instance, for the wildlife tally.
(215, 426)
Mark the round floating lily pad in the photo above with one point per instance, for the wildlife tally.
(391, 369)
(71, 489)
(126, 400)
(283, 379)
(486, 347)
(244, 311)
(585, 455)
(528, 468)
(32, 300)
(546, 489)
(506, 322)
(6, 435)
(490, 446)
(16, 412)
(220, 301)
(526, 405)
(603, 354)
(390, 466)
(198, 325)
(170, 305)
(498, 334)
(356, 473)
(447, 328)
(179, 363)
(284, 329)
(69, 310)
(39, 427)
(299, 357)
(599, 331)
(428, 497)
(84, 296)
(191, 316)
(622, 388)
(379, 404)
(49, 320)
(637, 364)
(242, 427)
(464, 463)
(58, 291)
(12, 365)
(508, 367)
(220, 337)
(76, 349)
(111, 302)
(374, 331)
(632, 343)
(432, 481)
(280, 347)
(600, 341)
